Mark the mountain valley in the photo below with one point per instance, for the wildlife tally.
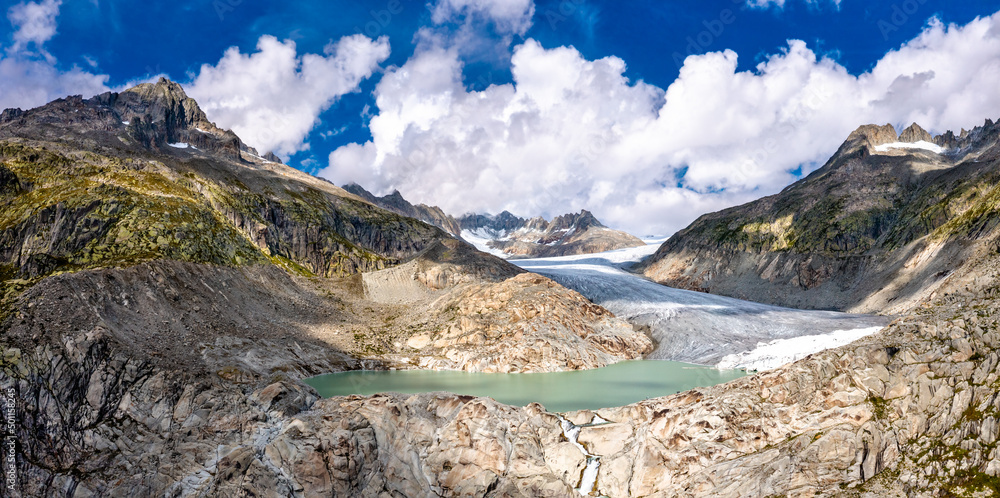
(166, 288)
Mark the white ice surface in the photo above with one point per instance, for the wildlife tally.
(937, 149)
(180, 145)
(783, 351)
(692, 326)
(480, 240)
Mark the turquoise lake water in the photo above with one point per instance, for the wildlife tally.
(616, 385)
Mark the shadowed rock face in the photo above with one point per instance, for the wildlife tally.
(871, 231)
(503, 222)
(9, 183)
(396, 203)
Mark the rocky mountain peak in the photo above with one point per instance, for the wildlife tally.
(948, 140)
(10, 114)
(162, 100)
(581, 221)
(359, 191)
(396, 202)
(870, 137)
(537, 223)
(875, 135)
(977, 138)
(507, 218)
(162, 113)
(503, 222)
(152, 115)
(914, 133)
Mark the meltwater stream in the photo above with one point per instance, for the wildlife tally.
(571, 432)
(702, 328)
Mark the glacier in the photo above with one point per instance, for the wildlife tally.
(701, 328)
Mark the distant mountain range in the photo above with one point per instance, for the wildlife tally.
(511, 236)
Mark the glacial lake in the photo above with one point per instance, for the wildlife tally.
(615, 385)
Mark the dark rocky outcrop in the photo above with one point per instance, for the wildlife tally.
(503, 222)
(10, 115)
(9, 183)
(396, 203)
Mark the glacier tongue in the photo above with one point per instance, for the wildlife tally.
(782, 351)
(692, 326)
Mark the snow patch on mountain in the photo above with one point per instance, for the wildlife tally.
(923, 145)
(481, 238)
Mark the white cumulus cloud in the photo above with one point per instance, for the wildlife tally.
(29, 75)
(27, 83)
(35, 23)
(510, 16)
(272, 98)
(570, 133)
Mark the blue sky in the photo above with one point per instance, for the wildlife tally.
(432, 102)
